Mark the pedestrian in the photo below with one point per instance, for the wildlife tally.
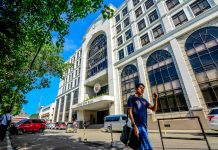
(5, 122)
(137, 109)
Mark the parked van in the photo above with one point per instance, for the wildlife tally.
(117, 122)
(213, 119)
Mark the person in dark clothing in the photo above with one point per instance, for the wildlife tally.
(137, 109)
(4, 123)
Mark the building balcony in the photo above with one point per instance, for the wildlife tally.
(100, 77)
(95, 103)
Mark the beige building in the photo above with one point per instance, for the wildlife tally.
(47, 112)
(169, 45)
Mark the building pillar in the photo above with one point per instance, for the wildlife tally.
(193, 97)
(143, 79)
(71, 104)
(64, 113)
(59, 105)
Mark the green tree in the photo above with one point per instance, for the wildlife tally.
(28, 55)
(34, 116)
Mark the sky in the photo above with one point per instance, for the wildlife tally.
(72, 42)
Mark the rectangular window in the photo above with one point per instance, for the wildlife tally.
(118, 28)
(121, 54)
(119, 40)
(149, 3)
(126, 22)
(141, 24)
(158, 31)
(179, 18)
(153, 16)
(138, 12)
(130, 48)
(117, 18)
(145, 39)
(171, 3)
(128, 34)
(124, 11)
(199, 6)
(135, 2)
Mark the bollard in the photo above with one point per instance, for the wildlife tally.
(112, 140)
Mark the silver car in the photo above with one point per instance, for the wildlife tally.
(213, 119)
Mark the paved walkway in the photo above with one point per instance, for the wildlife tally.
(6, 143)
(100, 140)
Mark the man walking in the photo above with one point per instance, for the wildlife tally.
(137, 109)
(5, 122)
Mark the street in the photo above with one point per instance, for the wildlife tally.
(97, 139)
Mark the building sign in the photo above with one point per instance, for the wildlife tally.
(97, 88)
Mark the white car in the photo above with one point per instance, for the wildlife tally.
(117, 122)
(213, 119)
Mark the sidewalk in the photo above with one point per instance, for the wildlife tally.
(6, 143)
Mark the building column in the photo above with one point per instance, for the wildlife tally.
(65, 100)
(193, 97)
(143, 79)
(59, 105)
(71, 104)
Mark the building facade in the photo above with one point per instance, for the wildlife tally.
(47, 112)
(169, 45)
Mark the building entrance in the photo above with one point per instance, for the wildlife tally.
(101, 115)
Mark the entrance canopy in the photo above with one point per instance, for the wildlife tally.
(95, 103)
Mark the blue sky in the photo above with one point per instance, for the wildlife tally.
(72, 41)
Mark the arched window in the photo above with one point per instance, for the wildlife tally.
(202, 50)
(97, 56)
(164, 79)
(129, 78)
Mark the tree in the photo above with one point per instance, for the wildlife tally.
(28, 55)
(34, 116)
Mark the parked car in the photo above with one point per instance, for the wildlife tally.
(60, 125)
(52, 126)
(213, 119)
(28, 125)
(117, 122)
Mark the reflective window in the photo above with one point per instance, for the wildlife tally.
(171, 3)
(119, 40)
(124, 11)
(117, 18)
(145, 39)
(61, 108)
(163, 78)
(121, 54)
(97, 56)
(130, 48)
(135, 2)
(129, 78)
(128, 34)
(138, 12)
(75, 97)
(158, 31)
(153, 16)
(126, 22)
(199, 6)
(67, 109)
(141, 24)
(179, 18)
(118, 28)
(202, 50)
(149, 3)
